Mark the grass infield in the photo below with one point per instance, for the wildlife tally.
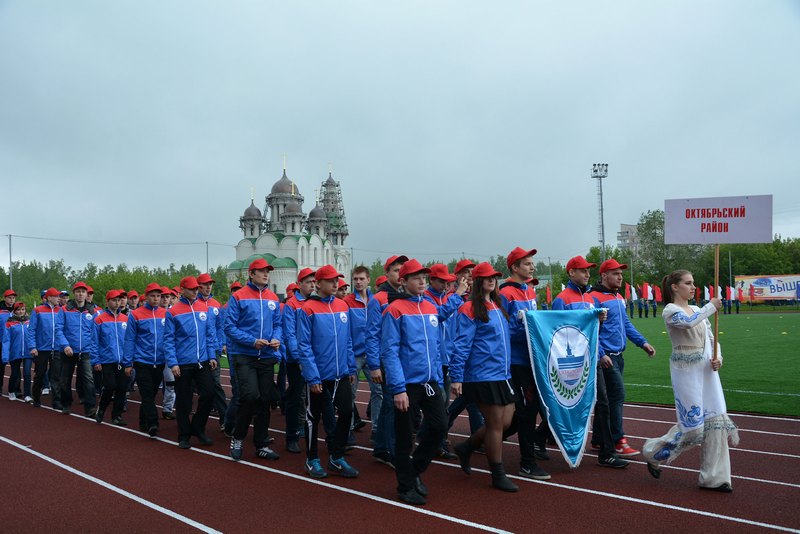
(761, 365)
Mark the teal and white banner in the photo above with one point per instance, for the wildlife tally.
(563, 350)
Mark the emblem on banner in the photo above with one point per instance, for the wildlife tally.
(569, 363)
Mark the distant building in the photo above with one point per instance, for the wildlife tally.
(289, 239)
(627, 237)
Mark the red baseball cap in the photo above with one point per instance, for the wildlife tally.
(394, 259)
(153, 287)
(292, 287)
(19, 304)
(112, 294)
(52, 292)
(305, 273)
(236, 285)
(579, 262)
(439, 270)
(80, 285)
(327, 272)
(342, 283)
(517, 254)
(189, 282)
(532, 281)
(133, 293)
(412, 267)
(176, 291)
(8, 293)
(610, 264)
(90, 289)
(205, 278)
(484, 270)
(463, 264)
(380, 280)
(259, 264)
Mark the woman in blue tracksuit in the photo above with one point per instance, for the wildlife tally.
(15, 352)
(482, 363)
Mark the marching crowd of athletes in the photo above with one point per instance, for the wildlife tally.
(423, 335)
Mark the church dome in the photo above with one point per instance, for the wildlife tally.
(330, 180)
(317, 213)
(292, 207)
(284, 185)
(252, 211)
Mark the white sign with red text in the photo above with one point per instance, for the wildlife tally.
(718, 220)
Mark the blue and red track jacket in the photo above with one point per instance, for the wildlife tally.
(108, 338)
(482, 349)
(290, 326)
(574, 297)
(323, 340)
(15, 345)
(358, 321)
(253, 313)
(46, 330)
(372, 339)
(189, 337)
(144, 339)
(617, 327)
(447, 305)
(410, 343)
(79, 325)
(216, 315)
(518, 297)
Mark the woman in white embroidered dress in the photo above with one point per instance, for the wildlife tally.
(699, 401)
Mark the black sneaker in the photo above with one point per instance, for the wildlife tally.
(98, 416)
(117, 421)
(184, 444)
(613, 462)
(445, 454)
(204, 440)
(359, 424)
(267, 453)
(384, 457)
(411, 497)
(654, 470)
(533, 472)
(152, 431)
(421, 488)
(168, 415)
(293, 447)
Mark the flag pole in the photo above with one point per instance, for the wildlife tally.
(716, 315)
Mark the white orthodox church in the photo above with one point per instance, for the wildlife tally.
(289, 239)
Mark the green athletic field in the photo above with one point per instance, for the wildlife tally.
(761, 370)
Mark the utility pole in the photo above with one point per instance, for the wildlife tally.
(600, 171)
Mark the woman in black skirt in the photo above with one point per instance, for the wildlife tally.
(482, 363)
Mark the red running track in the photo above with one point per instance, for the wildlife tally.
(203, 486)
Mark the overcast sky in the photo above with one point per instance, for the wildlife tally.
(460, 126)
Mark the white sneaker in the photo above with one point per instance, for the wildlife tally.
(46, 391)
(12, 396)
(28, 399)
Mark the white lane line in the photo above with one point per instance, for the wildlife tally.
(735, 414)
(115, 489)
(301, 478)
(749, 392)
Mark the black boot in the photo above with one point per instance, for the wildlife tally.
(464, 450)
(500, 480)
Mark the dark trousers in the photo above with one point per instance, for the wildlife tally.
(294, 401)
(336, 394)
(148, 379)
(526, 410)
(193, 376)
(428, 399)
(233, 404)
(220, 401)
(602, 420)
(13, 381)
(84, 381)
(615, 389)
(115, 383)
(255, 380)
(41, 366)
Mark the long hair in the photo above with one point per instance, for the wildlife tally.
(666, 285)
(478, 299)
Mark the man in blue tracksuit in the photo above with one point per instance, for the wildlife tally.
(254, 327)
(47, 343)
(329, 367)
(190, 346)
(144, 354)
(410, 355)
(613, 336)
(79, 316)
(107, 357)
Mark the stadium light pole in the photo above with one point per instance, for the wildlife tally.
(600, 171)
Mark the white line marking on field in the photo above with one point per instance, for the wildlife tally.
(115, 489)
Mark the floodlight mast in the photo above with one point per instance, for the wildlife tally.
(600, 171)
